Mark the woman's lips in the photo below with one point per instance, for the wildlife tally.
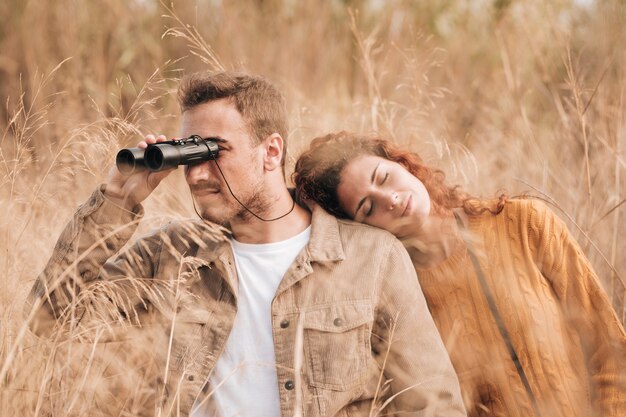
(407, 206)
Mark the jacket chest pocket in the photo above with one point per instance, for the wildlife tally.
(337, 345)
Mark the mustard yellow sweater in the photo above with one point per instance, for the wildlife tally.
(568, 338)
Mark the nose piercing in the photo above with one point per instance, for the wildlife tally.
(394, 199)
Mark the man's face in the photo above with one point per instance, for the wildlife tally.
(240, 159)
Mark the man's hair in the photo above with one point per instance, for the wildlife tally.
(260, 104)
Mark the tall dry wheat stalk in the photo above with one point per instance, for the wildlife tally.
(522, 96)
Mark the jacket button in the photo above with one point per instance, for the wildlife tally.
(190, 378)
(289, 385)
(284, 324)
(338, 322)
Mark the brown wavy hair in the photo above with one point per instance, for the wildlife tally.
(318, 173)
(259, 102)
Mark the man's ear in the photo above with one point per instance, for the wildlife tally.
(273, 146)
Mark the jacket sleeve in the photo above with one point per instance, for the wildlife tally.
(409, 347)
(586, 306)
(78, 284)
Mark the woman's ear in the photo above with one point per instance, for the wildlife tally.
(273, 146)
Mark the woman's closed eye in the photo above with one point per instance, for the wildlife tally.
(365, 208)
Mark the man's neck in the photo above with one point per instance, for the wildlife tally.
(253, 230)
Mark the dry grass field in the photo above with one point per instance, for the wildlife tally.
(527, 96)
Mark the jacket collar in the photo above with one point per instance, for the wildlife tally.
(214, 251)
(324, 246)
(325, 242)
(212, 240)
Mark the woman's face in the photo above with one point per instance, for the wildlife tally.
(384, 194)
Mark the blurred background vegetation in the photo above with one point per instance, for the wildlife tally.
(522, 96)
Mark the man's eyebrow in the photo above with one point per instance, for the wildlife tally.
(358, 206)
(216, 139)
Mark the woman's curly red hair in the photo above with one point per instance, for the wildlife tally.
(318, 173)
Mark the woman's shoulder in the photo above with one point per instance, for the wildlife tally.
(533, 217)
(513, 209)
(518, 216)
(527, 208)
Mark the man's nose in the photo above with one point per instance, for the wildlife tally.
(198, 172)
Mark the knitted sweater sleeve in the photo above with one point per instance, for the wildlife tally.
(585, 304)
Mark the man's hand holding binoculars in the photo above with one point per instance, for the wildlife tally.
(129, 190)
(139, 170)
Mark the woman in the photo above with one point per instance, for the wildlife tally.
(526, 323)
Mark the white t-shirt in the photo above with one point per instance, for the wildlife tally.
(244, 379)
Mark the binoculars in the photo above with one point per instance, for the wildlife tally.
(165, 155)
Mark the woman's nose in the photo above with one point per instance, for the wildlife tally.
(392, 200)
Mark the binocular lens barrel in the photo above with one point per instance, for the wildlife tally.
(130, 160)
(165, 155)
(158, 158)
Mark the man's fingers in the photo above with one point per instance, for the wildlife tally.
(156, 177)
(150, 139)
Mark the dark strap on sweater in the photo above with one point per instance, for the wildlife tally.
(499, 322)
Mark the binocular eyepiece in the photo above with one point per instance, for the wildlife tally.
(165, 155)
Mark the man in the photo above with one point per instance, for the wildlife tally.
(296, 313)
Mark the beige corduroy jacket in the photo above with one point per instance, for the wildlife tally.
(350, 324)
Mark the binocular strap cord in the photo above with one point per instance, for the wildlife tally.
(293, 201)
(499, 322)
